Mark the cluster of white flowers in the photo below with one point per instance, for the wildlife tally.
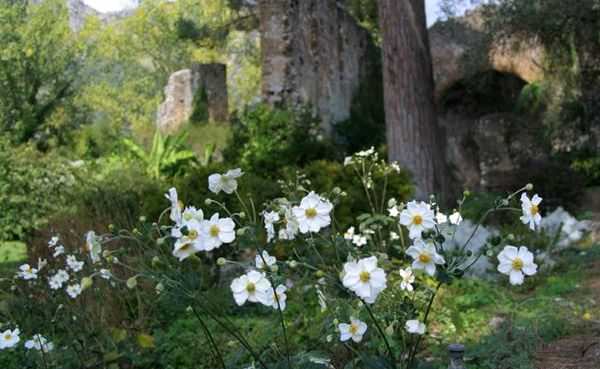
(310, 216)
(357, 239)
(10, 339)
(193, 233)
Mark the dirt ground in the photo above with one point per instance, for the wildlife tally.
(580, 351)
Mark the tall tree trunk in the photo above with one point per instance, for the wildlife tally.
(413, 135)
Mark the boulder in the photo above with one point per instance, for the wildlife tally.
(203, 87)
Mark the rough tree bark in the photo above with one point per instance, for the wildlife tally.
(413, 135)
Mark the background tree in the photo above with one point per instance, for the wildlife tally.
(39, 62)
(413, 135)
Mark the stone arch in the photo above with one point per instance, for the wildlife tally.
(460, 48)
(487, 141)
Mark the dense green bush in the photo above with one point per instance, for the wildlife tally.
(265, 140)
(328, 175)
(32, 187)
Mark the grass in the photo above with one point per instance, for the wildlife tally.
(11, 254)
(502, 327)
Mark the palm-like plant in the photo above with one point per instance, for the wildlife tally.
(167, 156)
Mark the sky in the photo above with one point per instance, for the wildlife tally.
(433, 9)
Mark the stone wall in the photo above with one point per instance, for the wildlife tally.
(313, 53)
(204, 82)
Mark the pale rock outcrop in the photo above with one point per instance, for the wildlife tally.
(313, 53)
(209, 81)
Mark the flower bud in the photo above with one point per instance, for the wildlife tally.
(132, 283)
(529, 187)
(159, 288)
(320, 273)
(142, 219)
(86, 283)
(274, 268)
(242, 215)
(336, 321)
(208, 201)
(221, 261)
(189, 309)
(111, 227)
(293, 264)
(160, 241)
(155, 261)
(467, 193)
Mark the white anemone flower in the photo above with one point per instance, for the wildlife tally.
(441, 218)
(58, 250)
(408, 278)
(53, 241)
(359, 240)
(516, 263)
(190, 243)
(394, 211)
(39, 343)
(93, 246)
(278, 295)
(291, 225)
(349, 234)
(364, 278)
(417, 217)
(74, 264)
(105, 274)
(531, 210)
(176, 205)
(355, 330)
(224, 182)
(265, 260)
(27, 272)
(270, 217)
(415, 327)
(252, 286)
(313, 213)
(216, 231)
(57, 280)
(74, 290)
(455, 218)
(425, 256)
(9, 339)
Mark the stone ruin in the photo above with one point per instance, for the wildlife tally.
(313, 54)
(204, 84)
(488, 145)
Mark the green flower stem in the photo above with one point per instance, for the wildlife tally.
(382, 334)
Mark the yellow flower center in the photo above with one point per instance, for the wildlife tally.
(417, 220)
(250, 287)
(517, 264)
(425, 258)
(534, 209)
(214, 230)
(365, 277)
(353, 328)
(192, 234)
(7, 337)
(180, 205)
(185, 247)
(310, 213)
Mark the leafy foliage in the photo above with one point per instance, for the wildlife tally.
(266, 140)
(167, 156)
(40, 58)
(32, 187)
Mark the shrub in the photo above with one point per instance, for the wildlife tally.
(265, 140)
(32, 187)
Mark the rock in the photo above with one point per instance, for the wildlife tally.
(490, 153)
(460, 47)
(182, 96)
(313, 53)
